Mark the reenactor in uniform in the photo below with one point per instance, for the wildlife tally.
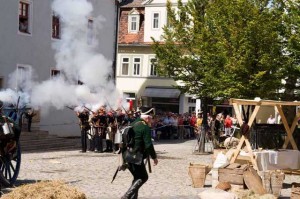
(129, 118)
(120, 122)
(94, 128)
(120, 116)
(29, 115)
(143, 143)
(102, 121)
(111, 130)
(84, 127)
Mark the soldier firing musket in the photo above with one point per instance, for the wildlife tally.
(84, 127)
(93, 121)
(101, 121)
(111, 131)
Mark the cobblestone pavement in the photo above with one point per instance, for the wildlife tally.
(92, 172)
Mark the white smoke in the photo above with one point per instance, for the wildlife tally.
(73, 54)
(77, 59)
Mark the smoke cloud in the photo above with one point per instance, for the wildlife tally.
(77, 59)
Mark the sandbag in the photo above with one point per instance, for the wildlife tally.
(221, 160)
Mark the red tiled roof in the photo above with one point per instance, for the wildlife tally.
(132, 4)
(130, 38)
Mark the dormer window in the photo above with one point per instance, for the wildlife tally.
(133, 21)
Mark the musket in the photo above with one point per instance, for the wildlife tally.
(17, 106)
(124, 109)
(108, 103)
(88, 109)
(70, 108)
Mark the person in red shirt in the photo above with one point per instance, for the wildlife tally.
(228, 124)
(193, 122)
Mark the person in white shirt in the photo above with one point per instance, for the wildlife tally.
(271, 120)
(168, 122)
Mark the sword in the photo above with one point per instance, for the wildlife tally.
(149, 164)
(123, 166)
(119, 168)
(116, 172)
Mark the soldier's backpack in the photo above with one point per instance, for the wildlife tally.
(127, 146)
(127, 138)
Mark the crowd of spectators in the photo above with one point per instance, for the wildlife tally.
(188, 125)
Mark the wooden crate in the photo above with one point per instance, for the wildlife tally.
(272, 181)
(233, 174)
(295, 192)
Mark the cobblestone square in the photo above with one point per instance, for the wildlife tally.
(92, 172)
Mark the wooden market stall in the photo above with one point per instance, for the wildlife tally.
(237, 103)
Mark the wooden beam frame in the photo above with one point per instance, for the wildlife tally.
(288, 130)
(258, 104)
(243, 138)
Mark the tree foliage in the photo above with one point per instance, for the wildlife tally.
(231, 48)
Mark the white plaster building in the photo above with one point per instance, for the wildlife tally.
(27, 31)
(135, 74)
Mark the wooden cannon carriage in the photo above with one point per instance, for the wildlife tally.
(10, 152)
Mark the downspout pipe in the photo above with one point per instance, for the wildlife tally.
(114, 65)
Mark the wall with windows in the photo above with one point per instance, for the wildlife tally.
(27, 30)
(155, 19)
(135, 68)
(126, 78)
(136, 65)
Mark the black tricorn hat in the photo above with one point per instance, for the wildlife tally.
(147, 110)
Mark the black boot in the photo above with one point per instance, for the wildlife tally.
(133, 190)
(135, 195)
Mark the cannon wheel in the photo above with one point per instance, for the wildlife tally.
(10, 167)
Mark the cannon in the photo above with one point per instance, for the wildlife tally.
(10, 151)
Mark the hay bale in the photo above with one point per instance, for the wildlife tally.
(249, 194)
(45, 190)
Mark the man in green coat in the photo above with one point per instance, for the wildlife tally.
(142, 143)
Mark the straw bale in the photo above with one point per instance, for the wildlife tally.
(249, 194)
(45, 190)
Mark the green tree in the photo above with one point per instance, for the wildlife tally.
(290, 32)
(231, 48)
(223, 48)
